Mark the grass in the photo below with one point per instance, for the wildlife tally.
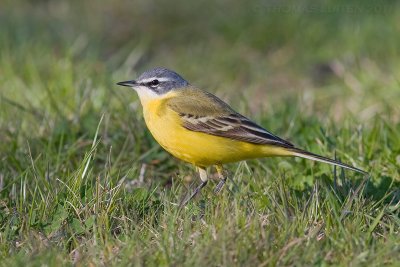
(82, 182)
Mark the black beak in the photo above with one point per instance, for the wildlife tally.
(128, 83)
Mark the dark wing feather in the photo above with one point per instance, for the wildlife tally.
(234, 126)
(201, 111)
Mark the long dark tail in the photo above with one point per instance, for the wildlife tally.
(308, 155)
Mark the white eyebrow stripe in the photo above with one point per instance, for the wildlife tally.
(154, 78)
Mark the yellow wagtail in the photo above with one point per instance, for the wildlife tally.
(198, 127)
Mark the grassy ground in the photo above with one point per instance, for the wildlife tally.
(83, 182)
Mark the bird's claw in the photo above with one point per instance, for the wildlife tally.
(219, 186)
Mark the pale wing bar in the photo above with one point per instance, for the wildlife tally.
(234, 126)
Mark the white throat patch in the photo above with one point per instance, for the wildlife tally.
(145, 94)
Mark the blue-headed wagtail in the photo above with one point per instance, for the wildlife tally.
(198, 127)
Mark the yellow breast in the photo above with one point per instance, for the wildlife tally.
(198, 148)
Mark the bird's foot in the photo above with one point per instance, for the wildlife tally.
(219, 186)
(195, 192)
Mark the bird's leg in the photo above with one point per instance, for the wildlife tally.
(204, 180)
(221, 181)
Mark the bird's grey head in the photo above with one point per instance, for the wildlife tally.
(158, 80)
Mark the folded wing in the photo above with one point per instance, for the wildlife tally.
(203, 112)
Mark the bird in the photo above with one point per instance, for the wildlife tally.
(199, 128)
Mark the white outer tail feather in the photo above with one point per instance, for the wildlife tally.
(308, 155)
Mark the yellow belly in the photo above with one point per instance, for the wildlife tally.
(198, 148)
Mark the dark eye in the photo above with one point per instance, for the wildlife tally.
(154, 82)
